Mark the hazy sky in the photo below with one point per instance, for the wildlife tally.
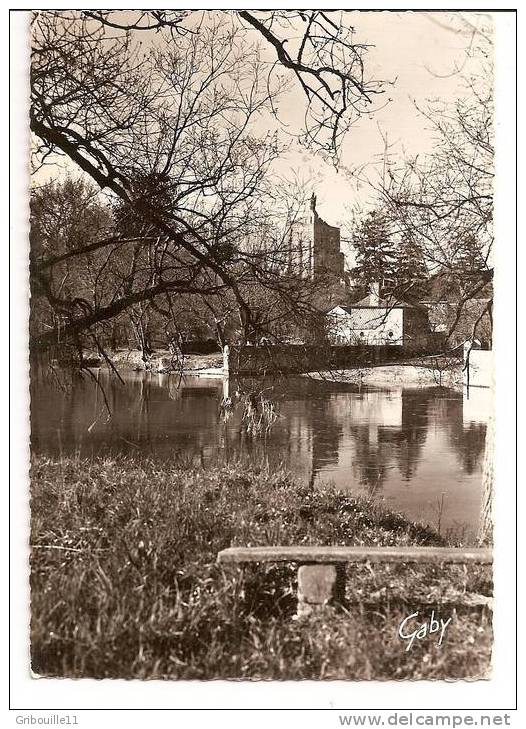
(420, 52)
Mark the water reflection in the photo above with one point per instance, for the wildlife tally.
(391, 432)
(406, 445)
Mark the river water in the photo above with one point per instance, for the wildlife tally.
(418, 449)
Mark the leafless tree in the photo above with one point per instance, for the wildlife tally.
(442, 201)
(317, 48)
(164, 111)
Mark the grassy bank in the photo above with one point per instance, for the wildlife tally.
(407, 375)
(131, 359)
(125, 584)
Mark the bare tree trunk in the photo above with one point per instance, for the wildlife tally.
(485, 535)
(220, 334)
(141, 336)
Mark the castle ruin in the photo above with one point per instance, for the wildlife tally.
(314, 249)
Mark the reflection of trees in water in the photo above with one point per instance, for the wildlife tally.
(468, 445)
(68, 421)
(372, 458)
(307, 435)
(148, 414)
(393, 445)
(141, 409)
(326, 439)
(467, 441)
(412, 435)
(385, 430)
(153, 415)
(448, 409)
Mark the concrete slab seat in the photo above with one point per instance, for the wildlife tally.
(321, 570)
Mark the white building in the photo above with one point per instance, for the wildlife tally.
(376, 321)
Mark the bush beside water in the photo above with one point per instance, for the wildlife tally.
(124, 580)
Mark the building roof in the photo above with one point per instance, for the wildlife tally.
(371, 302)
(386, 304)
(340, 306)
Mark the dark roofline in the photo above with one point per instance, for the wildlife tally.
(384, 303)
(348, 308)
(398, 305)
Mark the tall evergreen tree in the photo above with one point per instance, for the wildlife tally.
(410, 267)
(375, 253)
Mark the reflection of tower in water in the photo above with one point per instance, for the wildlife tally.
(373, 414)
(413, 431)
(368, 420)
(389, 430)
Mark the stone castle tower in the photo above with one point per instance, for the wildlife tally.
(314, 249)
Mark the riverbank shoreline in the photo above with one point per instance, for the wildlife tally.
(125, 581)
(411, 374)
(164, 362)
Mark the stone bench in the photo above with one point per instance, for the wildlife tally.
(321, 571)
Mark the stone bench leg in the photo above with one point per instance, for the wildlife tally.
(319, 585)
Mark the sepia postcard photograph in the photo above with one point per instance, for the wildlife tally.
(261, 344)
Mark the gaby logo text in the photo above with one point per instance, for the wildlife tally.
(410, 631)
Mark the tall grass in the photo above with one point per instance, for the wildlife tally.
(125, 582)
